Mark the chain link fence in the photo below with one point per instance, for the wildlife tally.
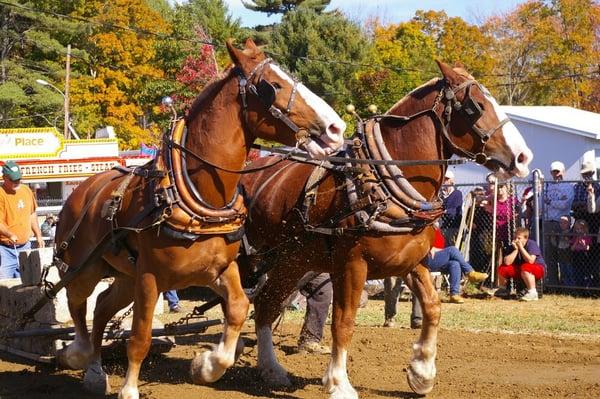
(560, 218)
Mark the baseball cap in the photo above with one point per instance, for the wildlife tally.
(449, 174)
(11, 170)
(557, 165)
(587, 166)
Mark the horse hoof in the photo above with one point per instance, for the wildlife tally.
(339, 393)
(418, 384)
(205, 369)
(96, 381)
(275, 377)
(129, 393)
(73, 359)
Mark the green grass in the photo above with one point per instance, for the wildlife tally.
(553, 314)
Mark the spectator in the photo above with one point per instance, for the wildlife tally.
(528, 206)
(17, 220)
(48, 228)
(480, 248)
(580, 192)
(558, 198)
(562, 247)
(173, 301)
(450, 261)
(506, 218)
(319, 293)
(592, 207)
(580, 248)
(393, 289)
(523, 261)
(452, 200)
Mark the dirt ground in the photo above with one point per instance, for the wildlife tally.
(470, 365)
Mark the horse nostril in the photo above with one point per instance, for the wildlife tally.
(335, 129)
(522, 158)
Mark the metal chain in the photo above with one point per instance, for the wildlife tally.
(196, 313)
(116, 323)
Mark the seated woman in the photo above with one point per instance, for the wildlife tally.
(450, 261)
(523, 261)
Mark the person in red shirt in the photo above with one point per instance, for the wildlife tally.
(450, 261)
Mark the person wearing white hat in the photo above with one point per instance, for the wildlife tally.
(558, 198)
(581, 190)
(452, 201)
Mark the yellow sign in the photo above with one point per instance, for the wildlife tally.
(32, 143)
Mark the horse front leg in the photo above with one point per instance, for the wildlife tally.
(146, 295)
(267, 306)
(109, 302)
(79, 354)
(348, 284)
(421, 371)
(210, 365)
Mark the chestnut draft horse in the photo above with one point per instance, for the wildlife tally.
(182, 241)
(301, 223)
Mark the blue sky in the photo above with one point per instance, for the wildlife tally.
(390, 11)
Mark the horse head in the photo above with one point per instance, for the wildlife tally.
(278, 107)
(478, 128)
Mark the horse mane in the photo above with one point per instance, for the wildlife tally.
(211, 87)
(419, 92)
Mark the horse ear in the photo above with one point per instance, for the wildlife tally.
(449, 74)
(244, 58)
(237, 56)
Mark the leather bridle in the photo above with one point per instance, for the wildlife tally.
(266, 93)
(472, 112)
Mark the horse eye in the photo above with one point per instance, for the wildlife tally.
(481, 106)
(276, 85)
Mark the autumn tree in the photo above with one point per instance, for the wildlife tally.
(401, 58)
(546, 52)
(456, 40)
(122, 45)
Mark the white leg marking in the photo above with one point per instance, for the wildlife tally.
(78, 354)
(335, 380)
(422, 371)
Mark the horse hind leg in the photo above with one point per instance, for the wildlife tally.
(422, 371)
(210, 365)
(78, 354)
(109, 302)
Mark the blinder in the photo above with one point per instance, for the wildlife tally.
(266, 93)
(471, 110)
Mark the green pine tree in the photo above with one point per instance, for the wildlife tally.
(285, 6)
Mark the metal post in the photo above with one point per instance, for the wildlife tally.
(67, 132)
(536, 210)
(494, 220)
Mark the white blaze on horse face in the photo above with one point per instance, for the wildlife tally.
(521, 153)
(334, 126)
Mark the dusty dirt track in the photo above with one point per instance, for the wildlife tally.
(470, 365)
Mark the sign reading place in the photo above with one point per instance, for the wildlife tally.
(30, 143)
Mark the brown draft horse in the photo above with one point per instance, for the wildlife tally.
(248, 102)
(275, 229)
